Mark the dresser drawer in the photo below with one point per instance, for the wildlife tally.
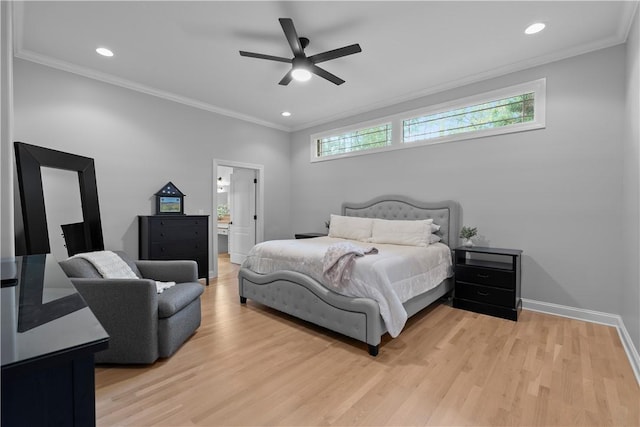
(485, 294)
(174, 250)
(177, 221)
(171, 233)
(485, 276)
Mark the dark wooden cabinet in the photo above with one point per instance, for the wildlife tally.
(49, 337)
(176, 237)
(488, 280)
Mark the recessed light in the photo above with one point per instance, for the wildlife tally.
(535, 28)
(285, 114)
(104, 51)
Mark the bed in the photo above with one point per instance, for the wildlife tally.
(304, 297)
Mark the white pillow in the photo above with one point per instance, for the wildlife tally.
(350, 227)
(434, 228)
(433, 238)
(398, 232)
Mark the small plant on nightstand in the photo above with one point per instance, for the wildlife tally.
(467, 233)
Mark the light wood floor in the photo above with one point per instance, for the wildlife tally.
(249, 365)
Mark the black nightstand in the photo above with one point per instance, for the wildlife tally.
(488, 281)
(309, 235)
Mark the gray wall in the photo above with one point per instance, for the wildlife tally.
(555, 193)
(140, 142)
(631, 188)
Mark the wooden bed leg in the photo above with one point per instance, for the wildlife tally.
(373, 349)
(243, 300)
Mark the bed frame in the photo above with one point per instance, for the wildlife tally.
(303, 297)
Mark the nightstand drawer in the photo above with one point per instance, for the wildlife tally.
(485, 294)
(309, 235)
(485, 276)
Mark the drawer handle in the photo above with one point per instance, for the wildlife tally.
(483, 276)
(483, 294)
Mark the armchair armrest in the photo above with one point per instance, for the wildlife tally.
(169, 271)
(128, 311)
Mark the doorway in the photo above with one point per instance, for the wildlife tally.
(238, 207)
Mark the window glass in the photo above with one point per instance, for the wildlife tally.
(487, 115)
(361, 139)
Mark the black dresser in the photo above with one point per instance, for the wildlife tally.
(175, 237)
(49, 337)
(487, 280)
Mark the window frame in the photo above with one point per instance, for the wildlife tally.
(538, 87)
(349, 129)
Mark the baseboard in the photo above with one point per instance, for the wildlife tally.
(607, 319)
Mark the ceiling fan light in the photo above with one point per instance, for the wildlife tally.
(300, 74)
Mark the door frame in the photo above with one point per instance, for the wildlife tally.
(259, 169)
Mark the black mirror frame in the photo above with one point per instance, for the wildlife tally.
(29, 160)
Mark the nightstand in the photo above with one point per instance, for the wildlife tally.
(487, 280)
(309, 235)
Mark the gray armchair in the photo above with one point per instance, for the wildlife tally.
(142, 324)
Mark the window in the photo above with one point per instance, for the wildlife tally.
(513, 109)
(362, 139)
(488, 115)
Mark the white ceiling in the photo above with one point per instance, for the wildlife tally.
(188, 51)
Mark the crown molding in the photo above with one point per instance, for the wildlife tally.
(626, 18)
(128, 84)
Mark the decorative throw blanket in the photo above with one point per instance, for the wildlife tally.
(111, 266)
(339, 260)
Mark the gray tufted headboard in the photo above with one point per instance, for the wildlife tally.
(446, 213)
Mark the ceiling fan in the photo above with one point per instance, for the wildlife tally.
(303, 65)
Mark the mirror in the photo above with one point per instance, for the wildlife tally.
(30, 162)
(64, 208)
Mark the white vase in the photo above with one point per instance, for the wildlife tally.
(467, 243)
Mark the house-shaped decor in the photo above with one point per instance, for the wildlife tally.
(169, 200)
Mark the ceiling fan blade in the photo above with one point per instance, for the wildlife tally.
(292, 36)
(261, 56)
(335, 53)
(325, 74)
(286, 79)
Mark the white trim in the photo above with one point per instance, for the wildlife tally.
(385, 121)
(214, 206)
(539, 87)
(599, 317)
(628, 12)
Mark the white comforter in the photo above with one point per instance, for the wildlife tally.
(392, 276)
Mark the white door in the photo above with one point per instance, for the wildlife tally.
(242, 207)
